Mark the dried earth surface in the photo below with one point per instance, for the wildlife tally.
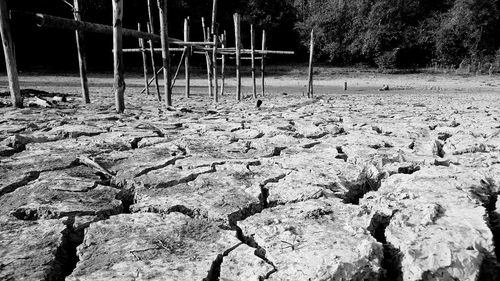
(350, 185)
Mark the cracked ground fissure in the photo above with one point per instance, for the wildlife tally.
(490, 267)
(391, 262)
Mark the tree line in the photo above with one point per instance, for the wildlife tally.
(403, 33)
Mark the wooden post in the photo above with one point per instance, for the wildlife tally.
(178, 69)
(186, 59)
(252, 47)
(151, 29)
(207, 57)
(144, 60)
(214, 63)
(237, 37)
(151, 19)
(119, 82)
(310, 91)
(209, 68)
(223, 66)
(214, 17)
(345, 86)
(153, 65)
(162, 6)
(262, 65)
(82, 62)
(203, 26)
(10, 60)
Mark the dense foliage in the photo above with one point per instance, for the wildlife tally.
(403, 33)
(384, 33)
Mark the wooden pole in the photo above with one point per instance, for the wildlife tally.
(82, 62)
(310, 91)
(178, 68)
(252, 47)
(257, 52)
(223, 66)
(207, 58)
(144, 61)
(262, 64)
(10, 59)
(214, 17)
(151, 29)
(186, 59)
(42, 20)
(214, 64)
(237, 37)
(153, 65)
(152, 79)
(119, 82)
(162, 6)
(150, 16)
(203, 26)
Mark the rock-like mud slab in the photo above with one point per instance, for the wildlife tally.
(152, 247)
(315, 240)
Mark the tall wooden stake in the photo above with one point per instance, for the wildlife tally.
(188, 55)
(204, 27)
(82, 62)
(207, 57)
(252, 46)
(178, 68)
(151, 29)
(214, 17)
(153, 64)
(223, 66)
(151, 19)
(144, 60)
(262, 64)
(10, 60)
(162, 6)
(119, 83)
(236, 18)
(310, 90)
(214, 63)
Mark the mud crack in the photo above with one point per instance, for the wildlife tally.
(160, 166)
(369, 180)
(32, 176)
(490, 267)
(391, 263)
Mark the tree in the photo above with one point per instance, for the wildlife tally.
(467, 31)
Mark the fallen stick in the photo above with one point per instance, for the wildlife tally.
(92, 164)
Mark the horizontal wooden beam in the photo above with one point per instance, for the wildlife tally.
(43, 20)
(202, 51)
(259, 52)
(156, 50)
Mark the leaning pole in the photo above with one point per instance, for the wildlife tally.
(10, 60)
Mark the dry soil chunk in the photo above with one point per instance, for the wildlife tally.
(70, 192)
(313, 175)
(74, 131)
(315, 240)
(225, 196)
(243, 265)
(150, 246)
(28, 249)
(437, 222)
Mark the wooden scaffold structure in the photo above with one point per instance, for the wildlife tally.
(213, 47)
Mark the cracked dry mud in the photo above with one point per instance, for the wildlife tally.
(358, 185)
